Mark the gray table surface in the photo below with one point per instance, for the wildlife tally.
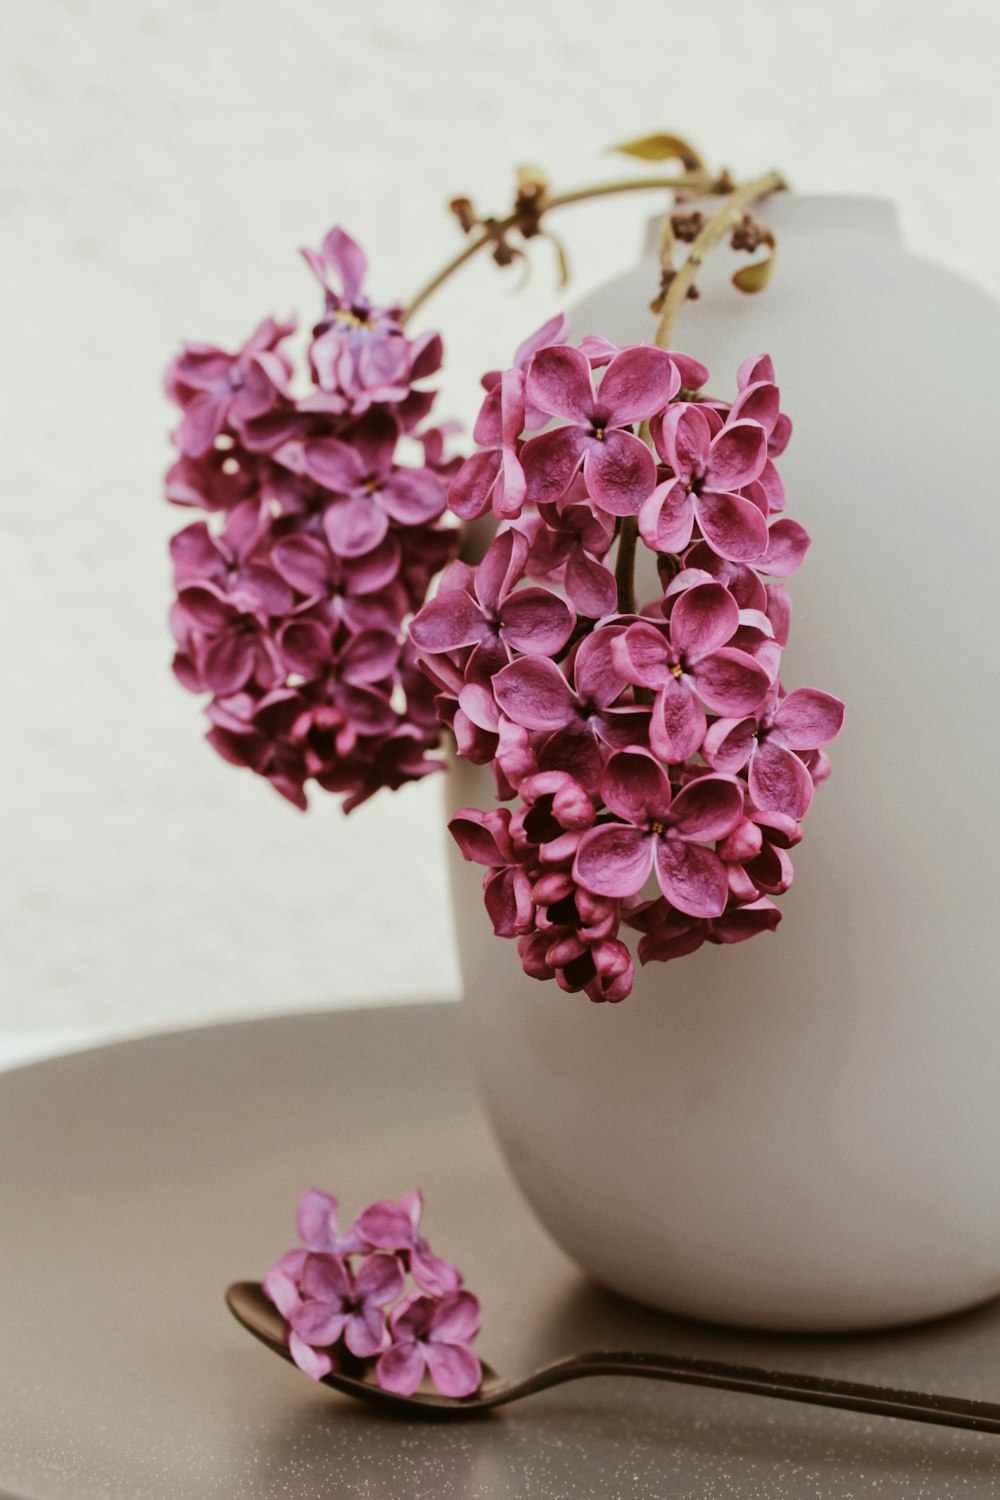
(136, 1181)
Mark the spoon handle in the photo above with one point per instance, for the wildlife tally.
(816, 1390)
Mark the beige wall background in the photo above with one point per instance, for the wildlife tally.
(162, 162)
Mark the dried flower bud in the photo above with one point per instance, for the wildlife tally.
(465, 213)
(748, 235)
(687, 227)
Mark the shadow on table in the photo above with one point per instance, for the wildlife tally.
(650, 1440)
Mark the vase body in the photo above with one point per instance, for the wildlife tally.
(803, 1131)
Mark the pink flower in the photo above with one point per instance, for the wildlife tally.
(489, 613)
(218, 391)
(692, 669)
(583, 728)
(339, 1302)
(618, 468)
(335, 1295)
(534, 693)
(317, 1223)
(292, 602)
(393, 1226)
(769, 744)
(434, 1336)
(706, 475)
(360, 352)
(662, 831)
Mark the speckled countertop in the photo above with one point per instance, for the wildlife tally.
(138, 1180)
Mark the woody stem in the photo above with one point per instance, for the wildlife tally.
(698, 183)
(715, 229)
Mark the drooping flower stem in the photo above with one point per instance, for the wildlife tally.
(715, 229)
(693, 184)
(625, 564)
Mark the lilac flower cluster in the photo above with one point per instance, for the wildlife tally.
(293, 594)
(632, 741)
(344, 1298)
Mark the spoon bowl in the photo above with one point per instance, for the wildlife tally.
(254, 1311)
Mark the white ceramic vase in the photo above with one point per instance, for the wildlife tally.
(803, 1131)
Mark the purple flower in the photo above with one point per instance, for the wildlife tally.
(218, 391)
(490, 613)
(233, 561)
(707, 473)
(432, 1335)
(618, 468)
(317, 1222)
(768, 743)
(339, 1302)
(291, 612)
(662, 831)
(360, 353)
(370, 493)
(534, 693)
(691, 668)
(493, 476)
(393, 1226)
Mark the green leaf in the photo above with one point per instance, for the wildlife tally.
(662, 148)
(754, 277)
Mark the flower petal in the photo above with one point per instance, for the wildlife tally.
(334, 464)
(500, 569)
(536, 620)
(228, 664)
(434, 1275)
(311, 1361)
(316, 1219)
(787, 544)
(619, 472)
(759, 402)
(471, 490)
(692, 878)
(737, 455)
(356, 526)
(454, 1369)
(730, 682)
(636, 788)
(596, 673)
(413, 496)
(807, 718)
(732, 527)
(535, 694)
(558, 381)
(708, 808)
(678, 723)
(637, 384)
(683, 440)
(401, 1368)
(447, 622)
(364, 1331)
(550, 461)
(326, 1277)
(614, 859)
(703, 618)
(728, 744)
(779, 781)
(379, 1280)
(457, 1318)
(666, 519)
(481, 838)
(591, 586)
(348, 260)
(317, 1322)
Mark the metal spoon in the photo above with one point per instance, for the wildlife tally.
(249, 1306)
